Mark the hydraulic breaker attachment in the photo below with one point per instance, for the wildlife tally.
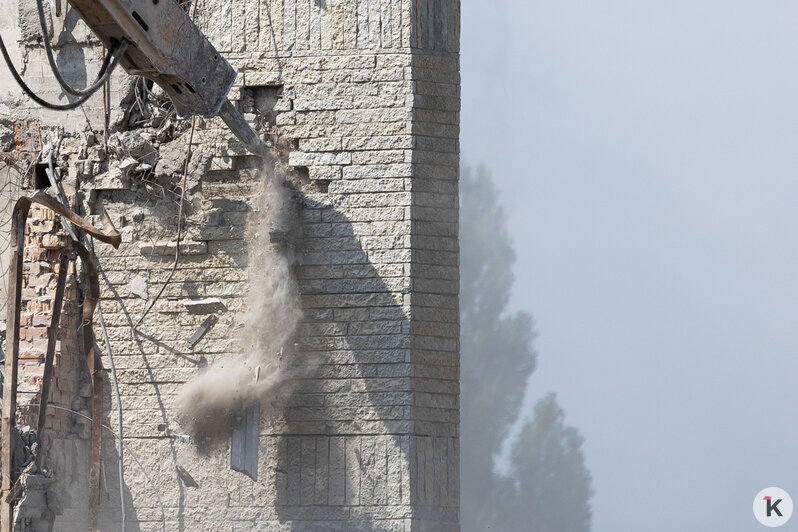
(165, 46)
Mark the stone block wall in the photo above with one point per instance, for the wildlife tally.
(360, 100)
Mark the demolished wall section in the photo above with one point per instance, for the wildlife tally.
(360, 101)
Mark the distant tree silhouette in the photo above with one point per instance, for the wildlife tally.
(549, 490)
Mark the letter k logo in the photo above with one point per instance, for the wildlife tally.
(772, 507)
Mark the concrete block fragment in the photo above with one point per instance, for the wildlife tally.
(200, 332)
(204, 306)
(7, 139)
(133, 144)
(138, 287)
(113, 179)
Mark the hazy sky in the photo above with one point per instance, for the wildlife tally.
(647, 155)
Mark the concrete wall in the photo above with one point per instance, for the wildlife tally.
(361, 101)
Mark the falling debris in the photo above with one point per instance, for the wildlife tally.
(138, 287)
(211, 401)
(204, 306)
(244, 446)
(185, 477)
(201, 330)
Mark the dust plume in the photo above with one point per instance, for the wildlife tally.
(209, 402)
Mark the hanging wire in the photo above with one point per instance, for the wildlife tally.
(179, 226)
(110, 354)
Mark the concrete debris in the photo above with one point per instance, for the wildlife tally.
(128, 166)
(112, 179)
(201, 330)
(172, 159)
(244, 443)
(200, 163)
(185, 477)
(138, 287)
(120, 116)
(135, 145)
(172, 162)
(144, 106)
(7, 138)
(34, 511)
(204, 306)
(26, 445)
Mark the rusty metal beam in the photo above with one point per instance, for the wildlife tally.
(95, 365)
(19, 216)
(108, 234)
(52, 337)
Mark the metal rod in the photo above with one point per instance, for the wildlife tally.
(52, 337)
(241, 129)
(95, 370)
(19, 216)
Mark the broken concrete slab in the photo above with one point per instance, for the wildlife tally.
(138, 287)
(204, 306)
(172, 162)
(133, 144)
(113, 179)
(172, 159)
(244, 442)
(7, 138)
(201, 330)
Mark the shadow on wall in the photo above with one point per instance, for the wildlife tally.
(71, 57)
(339, 451)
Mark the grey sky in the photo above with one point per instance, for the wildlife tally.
(647, 154)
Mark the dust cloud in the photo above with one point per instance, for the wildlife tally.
(208, 403)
